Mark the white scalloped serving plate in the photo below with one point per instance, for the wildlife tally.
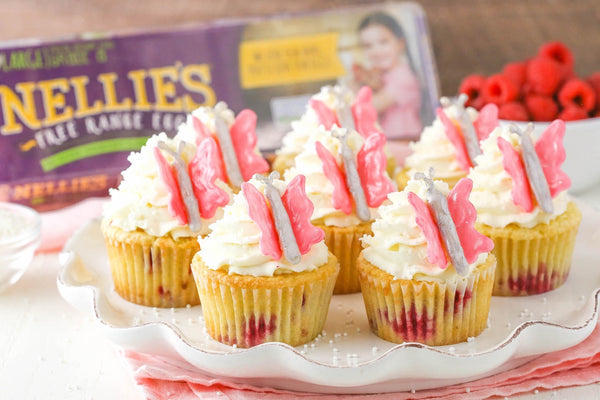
(347, 357)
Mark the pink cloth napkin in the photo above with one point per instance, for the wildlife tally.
(59, 225)
(162, 378)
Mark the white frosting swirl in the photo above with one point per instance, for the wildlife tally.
(294, 141)
(318, 187)
(435, 150)
(492, 188)
(206, 115)
(234, 243)
(141, 200)
(398, 246)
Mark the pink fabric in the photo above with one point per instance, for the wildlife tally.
(162, 378)
(402, 119)
(59, 225)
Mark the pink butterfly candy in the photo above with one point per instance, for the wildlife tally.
(464, 215)
(435, 249)
(204, 169)
(551, 152)
(300, 209)
(365, 115)
(167, 175)
(243, 136)
(341, 195)
(371, 163)
(327, 117)
(513, 164)
(202, 130)
(486, 121)
(260, 213)
(454, 136)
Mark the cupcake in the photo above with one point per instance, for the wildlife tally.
(451, 143)
(332, 106)
(426, 274)
(264, 273)
(169, 195)
(522, 205)
(166, 200)
(346, 181)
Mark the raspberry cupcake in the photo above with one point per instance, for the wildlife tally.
(172, 191)
(332, 106)
(426, 274)
(346, 181)
(451, 143)
(522, 204)
(264, 273)
(155, 216)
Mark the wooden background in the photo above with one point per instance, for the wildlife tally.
(468, 36)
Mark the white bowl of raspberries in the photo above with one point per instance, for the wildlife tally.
(540, 90)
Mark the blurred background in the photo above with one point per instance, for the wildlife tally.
(468, 37)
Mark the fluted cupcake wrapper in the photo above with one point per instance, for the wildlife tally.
(428, 312)
(345, 244)
(149, 270)
(247, 310)
(533, 260)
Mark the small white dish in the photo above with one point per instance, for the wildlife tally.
(582, 145)
(20, 231)
(347, 357)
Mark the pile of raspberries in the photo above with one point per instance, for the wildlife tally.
(541, 88)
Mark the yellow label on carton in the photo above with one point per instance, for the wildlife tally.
(272, 62)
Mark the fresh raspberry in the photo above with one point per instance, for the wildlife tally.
(560, 53)
(572, 113)
(578, 93)
(543, 76)
(541, 108)
(515, 71)
(513, 111)
(472, 86)
(594, 81)
(499, 89)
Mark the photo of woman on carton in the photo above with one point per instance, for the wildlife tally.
(388, 71)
